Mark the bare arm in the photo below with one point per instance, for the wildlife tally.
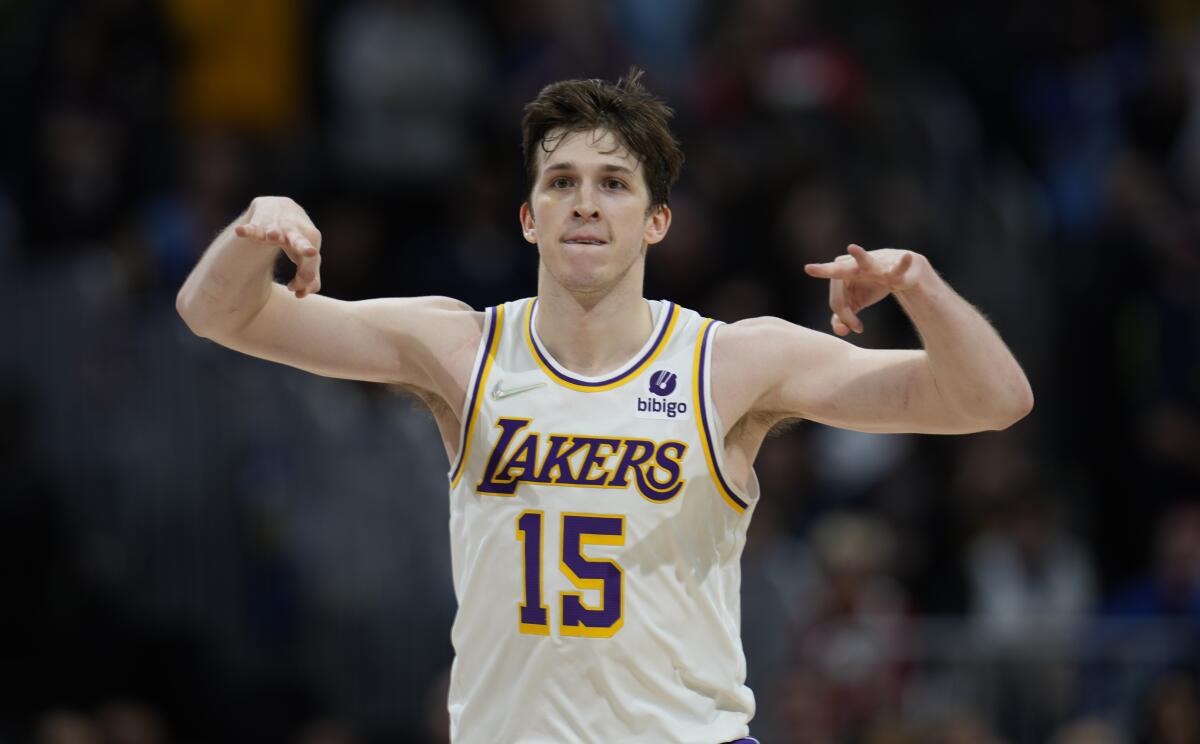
(230, 297)
(964, 380)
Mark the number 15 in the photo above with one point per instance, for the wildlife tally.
(575, 618)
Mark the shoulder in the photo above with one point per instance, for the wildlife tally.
(751, 342)
(744, 357)
(440, 335)
(443, 328)
(750, 330)
(754, 359)
(444, 313)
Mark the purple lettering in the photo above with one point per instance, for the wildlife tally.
(637, 452)
(490, 482)
(657, 489)
(595, 459)
(557, 466)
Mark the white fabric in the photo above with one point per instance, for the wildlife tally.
(673, 670)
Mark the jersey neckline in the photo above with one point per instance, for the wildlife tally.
(654, 345)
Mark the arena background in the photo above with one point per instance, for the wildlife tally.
(201, 547)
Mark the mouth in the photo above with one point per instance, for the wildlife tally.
(583, 240)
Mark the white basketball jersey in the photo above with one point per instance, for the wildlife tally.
(595, 546)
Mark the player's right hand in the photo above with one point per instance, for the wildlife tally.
(281, 222)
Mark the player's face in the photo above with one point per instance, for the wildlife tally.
(587, 212)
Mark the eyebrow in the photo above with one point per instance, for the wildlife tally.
(567, 166)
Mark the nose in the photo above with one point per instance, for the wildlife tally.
(585, 206)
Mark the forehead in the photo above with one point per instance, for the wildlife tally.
(592, 147)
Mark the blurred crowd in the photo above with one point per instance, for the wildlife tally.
(201, 547)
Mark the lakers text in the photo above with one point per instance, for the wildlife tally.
(654, 468)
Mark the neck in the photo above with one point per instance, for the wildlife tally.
(592, 333)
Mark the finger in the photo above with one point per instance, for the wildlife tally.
(294, 255)
(847, 317)
(306, 270)
(275, 234)
(840, 304)
(301, 243)
(901, 266)
(832, 269)
(862, 258)
(311, 271)
(251, 232)
(303, 274)
(838, 326)
(310, 287)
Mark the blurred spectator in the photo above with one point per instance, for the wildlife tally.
(79, 174)
(130, 722)
(173, 229)
(62, 726)
(1171, 588)
(1031, 582)
(1172, 712)
(1171, 430)
(547, 40)
(853, 640)
(805, 710)
(98, 112)
(962, 727)
(404, 76)
(1032, 588)
(780, 583)
(660, 36)
(241, 65)
(1087, 731)
(890, 731)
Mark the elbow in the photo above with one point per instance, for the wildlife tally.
(184, 307)
(1019, 405)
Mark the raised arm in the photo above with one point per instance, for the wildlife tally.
(231, 298)
(963, 380)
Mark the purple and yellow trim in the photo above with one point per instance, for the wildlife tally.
(699, 391)
(495, 322)
(589, 386)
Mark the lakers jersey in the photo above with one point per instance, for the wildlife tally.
(595, 546)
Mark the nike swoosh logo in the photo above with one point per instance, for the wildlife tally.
(499, 393)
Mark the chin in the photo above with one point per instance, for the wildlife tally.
(579, 276)
(584, 284)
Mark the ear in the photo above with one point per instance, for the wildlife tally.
(658, 224)
(527, 224)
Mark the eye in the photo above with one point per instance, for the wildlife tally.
(561, 182)
(613, 183)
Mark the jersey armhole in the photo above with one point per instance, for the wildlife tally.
(479, 372)
(712, 437)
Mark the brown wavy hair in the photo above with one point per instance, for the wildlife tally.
(638, 120)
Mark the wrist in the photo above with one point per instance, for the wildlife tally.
(923, 279)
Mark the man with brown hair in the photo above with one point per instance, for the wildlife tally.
(601, 444)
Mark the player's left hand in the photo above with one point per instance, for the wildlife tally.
(861, 278)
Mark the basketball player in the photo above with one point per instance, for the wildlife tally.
(601, 444)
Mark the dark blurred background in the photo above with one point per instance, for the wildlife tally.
(201, 547)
